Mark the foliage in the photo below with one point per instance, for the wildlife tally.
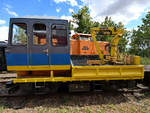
(124, 41)
(2, 108)
(20, 36)
(108, 22)
(83, 20)
(84, 23)
(140, 41)
(145, 61)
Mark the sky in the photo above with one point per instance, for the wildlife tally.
(129, 12)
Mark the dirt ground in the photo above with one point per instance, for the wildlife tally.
(102, 102)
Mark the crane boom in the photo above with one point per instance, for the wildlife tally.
(110, 31)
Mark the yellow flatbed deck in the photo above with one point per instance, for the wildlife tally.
(92, 73)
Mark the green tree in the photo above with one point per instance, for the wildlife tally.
(20, 36)
(108, 22)
(83, 20)
(141, 38)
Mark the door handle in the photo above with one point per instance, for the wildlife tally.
(7, 50)
(46, 51)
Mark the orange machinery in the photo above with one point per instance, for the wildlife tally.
(82, 44)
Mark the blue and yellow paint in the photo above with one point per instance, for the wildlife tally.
(23, 62)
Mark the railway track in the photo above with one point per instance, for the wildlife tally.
(139, 90)
(4, 92)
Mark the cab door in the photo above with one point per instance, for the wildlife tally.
(59, 46)
(16, 52)
(39, 57)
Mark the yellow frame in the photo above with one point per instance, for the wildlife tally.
(90, 73)
(38, 68)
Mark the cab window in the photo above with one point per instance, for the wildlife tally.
(19, 34)
(39, 34)
(59, 35)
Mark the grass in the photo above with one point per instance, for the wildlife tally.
(131, 105)
(63, 111)
(145, 61)
(88, 110)
(1, 109)
(100, 111)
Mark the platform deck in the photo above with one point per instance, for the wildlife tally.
(93, 73)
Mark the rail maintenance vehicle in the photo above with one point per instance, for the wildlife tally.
(45, 57)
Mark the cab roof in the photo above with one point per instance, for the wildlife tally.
(38, 18)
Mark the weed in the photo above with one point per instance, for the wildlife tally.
(1, 109)
(89, 111)
(63, 111)
(75, 111)
(112, 106)
(100, 111)
(145, 61)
